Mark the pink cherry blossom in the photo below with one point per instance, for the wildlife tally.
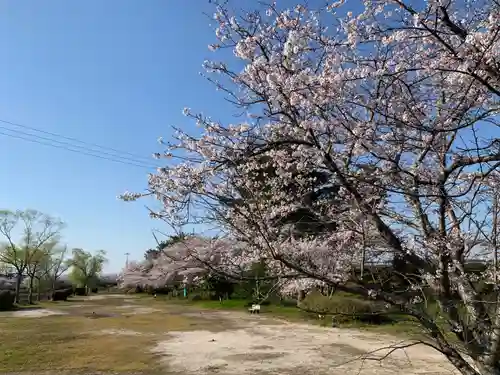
(397, 105)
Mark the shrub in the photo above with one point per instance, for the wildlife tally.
(346, 309)
(62, 294)
(7, 284)
(288, 303)
(81, 291)
(95, 290)
(196, 297)
(62, 284)
(6, 300)
(163, 290)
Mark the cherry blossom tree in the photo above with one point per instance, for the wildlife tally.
(184, 261)
(397, 104)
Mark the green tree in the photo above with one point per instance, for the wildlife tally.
(253, 284)
(37, 269)
(85, 267)
(155, 252)
(59, 263)
(5, 268)
(35, 231)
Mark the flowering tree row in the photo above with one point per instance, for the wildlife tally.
(370, 134)
(183, 262)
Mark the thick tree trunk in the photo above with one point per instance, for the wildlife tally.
(448, 350)
(487, 370)
(464, 367)
(30, 291)
(300, 296)
(19, 277)
(38, 292)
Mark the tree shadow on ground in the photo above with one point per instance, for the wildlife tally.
(26, 308)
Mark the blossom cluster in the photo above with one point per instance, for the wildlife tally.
(391, 104)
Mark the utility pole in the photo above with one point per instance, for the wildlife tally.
(126, 259)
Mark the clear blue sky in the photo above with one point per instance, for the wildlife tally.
(114, 72)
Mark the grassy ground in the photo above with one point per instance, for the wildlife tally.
(76, 342)
(400, 325)
(104, 336)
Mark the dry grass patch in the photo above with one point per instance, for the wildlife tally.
(90, 338)
(67, 343)
(110, 337)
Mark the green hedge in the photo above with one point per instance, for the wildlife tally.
(6, 300)
(346, 309)
(288, 303)
(81, 291)
(62, 294)
(196, 297)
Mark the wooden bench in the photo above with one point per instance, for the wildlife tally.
(255, 309)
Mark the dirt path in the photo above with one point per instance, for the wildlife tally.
(260, 345)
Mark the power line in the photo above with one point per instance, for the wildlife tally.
(111, 156)
(85, 149)
(77, 151)
(73, 139)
